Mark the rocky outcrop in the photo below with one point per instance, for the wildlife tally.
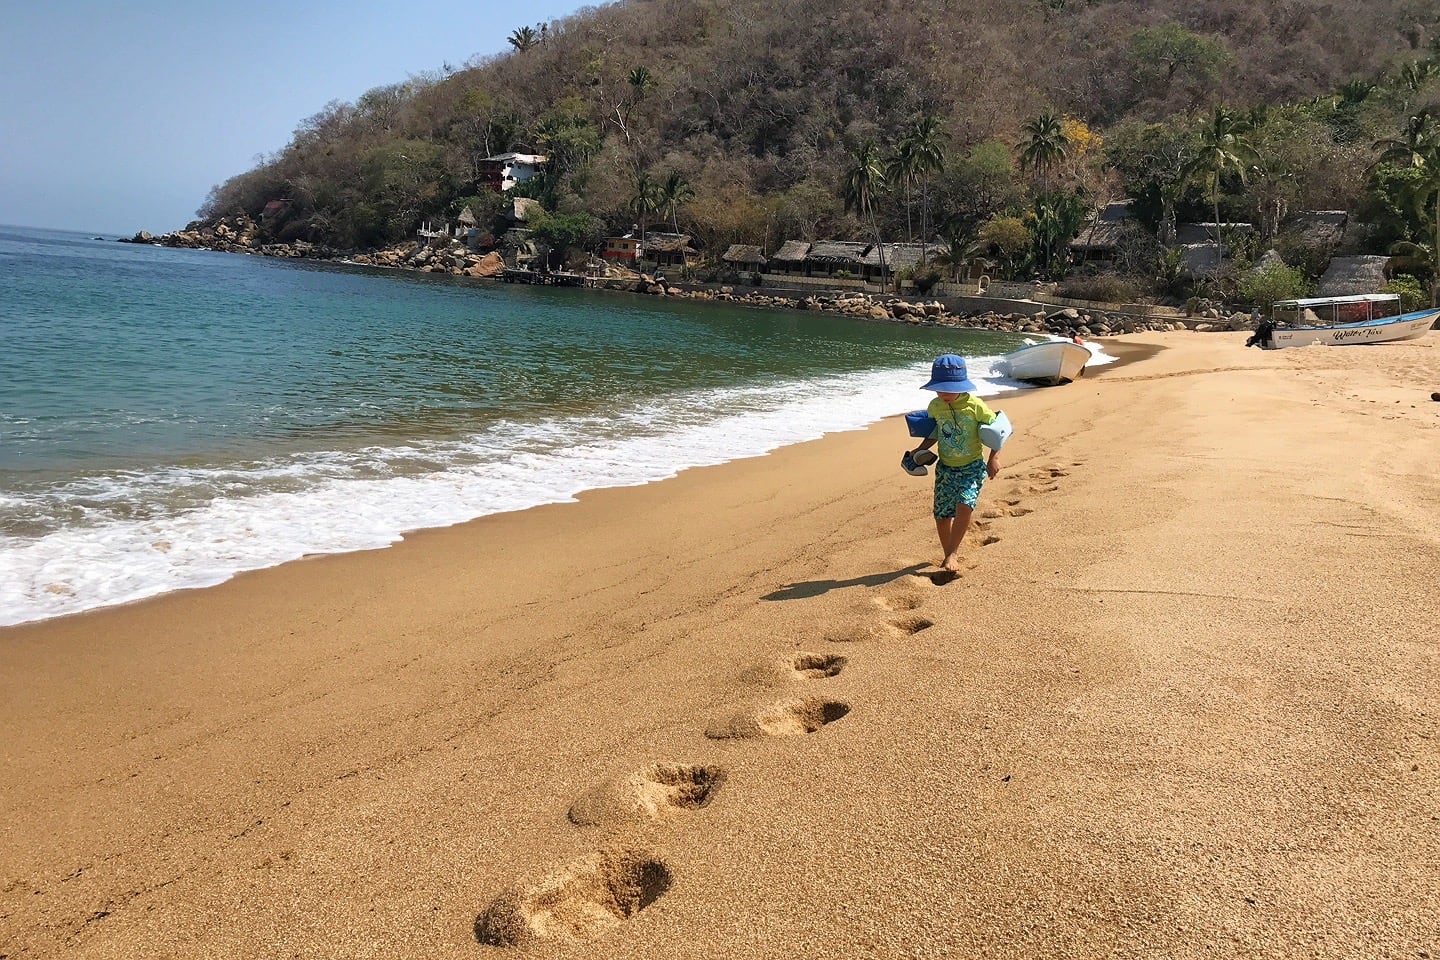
(231, 235)
(435, 256)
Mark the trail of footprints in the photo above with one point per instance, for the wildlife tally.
(593, 895)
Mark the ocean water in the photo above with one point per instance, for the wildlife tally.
(169, 418)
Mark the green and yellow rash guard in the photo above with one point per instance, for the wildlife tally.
(958, 428)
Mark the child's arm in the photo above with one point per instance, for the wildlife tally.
(992, 466)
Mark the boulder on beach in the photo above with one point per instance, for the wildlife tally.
(488, 266)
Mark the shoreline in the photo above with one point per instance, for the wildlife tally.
(451, 258)
(1126, 729)
(454, 500)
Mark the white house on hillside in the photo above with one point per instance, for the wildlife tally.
(503, 171)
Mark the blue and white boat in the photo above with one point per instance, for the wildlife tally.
(1336, 321)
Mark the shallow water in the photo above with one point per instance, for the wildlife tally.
(169, 418)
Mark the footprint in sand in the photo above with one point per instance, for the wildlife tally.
(1041, 488)
(816, 666)
(866, 632)
(787, 718)
(909, 626)
(653, 793)
(899, 601)
(989, 539)
(855, 633)
(582, 900)
(995, 513)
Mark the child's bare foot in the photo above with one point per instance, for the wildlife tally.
(951, 563)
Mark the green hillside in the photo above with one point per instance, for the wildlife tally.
(999, 124)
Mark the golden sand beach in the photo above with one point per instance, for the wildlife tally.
(1183, 702)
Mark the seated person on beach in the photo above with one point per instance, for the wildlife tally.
(962, 468)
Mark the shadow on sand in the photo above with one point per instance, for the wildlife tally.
(814, 588)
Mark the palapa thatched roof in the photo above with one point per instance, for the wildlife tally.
(792, 251)
(668, 243)
(902, 256)
(1188, 233)
(467, 217)
(1105, 231)
(1201, 258)
(743, 253)
(838, 251)
(1318, 228)
(1349, 276)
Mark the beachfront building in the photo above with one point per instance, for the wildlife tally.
(1200, 250)
(1350, 276)
(669, 249)
(744, 256)
(503, 171)
(747, 260)
(623, 249)
(899, 258)
(829, 258)
(465, 227)
(1100, 238)
(789, 260)
(663, 249)
(1317, 229)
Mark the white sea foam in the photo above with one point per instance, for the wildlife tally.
(252, 516)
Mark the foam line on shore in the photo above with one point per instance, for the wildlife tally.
(142, 534)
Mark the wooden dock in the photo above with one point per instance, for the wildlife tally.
(558, 278)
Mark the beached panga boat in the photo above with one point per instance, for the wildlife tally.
(1334, 321)
(1050, 363)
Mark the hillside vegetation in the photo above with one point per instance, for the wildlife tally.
(994, 124)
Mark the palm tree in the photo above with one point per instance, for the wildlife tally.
(672, 194)
(863, 182)
(524, 39)
(640, 80)
(1409, 149)
(1045, 145)
(903, 169)
(958, 232)
(1413, 76)
(1419, 147)
(644, 202)
(1058, 217)
(1223, 149)
(924, 145)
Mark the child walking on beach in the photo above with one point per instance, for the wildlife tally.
(962, 468)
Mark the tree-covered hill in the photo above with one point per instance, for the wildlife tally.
(755, 111)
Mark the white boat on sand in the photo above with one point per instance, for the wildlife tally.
(1050, 363)
(1334, 321)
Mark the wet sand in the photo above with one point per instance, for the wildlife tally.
(1181, 703)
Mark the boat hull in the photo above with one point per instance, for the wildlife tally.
(1407, 326)
(1051, 363)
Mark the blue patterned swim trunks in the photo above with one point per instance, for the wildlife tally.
(957, 485)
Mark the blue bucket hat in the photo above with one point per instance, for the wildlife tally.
(948, 375)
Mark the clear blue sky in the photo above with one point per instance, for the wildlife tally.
(120, 116)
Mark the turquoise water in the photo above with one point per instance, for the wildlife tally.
(171, 417)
